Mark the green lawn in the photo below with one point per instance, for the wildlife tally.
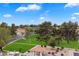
(24, 45)
(72, 44)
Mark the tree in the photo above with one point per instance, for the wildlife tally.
(68, 30)
(45, 31)
(4, 36)
(58, 39)
(21, 26)
(4, 24)
(45, 28)
(13, 29)
(52, 42)
(56, 30)
(33, 25)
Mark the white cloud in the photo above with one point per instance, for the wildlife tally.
(7, 15)
(73, 17)
(21, 9)
(71, 5)
(77, 14)
(29, 7)
(33, 7)
(42, 18)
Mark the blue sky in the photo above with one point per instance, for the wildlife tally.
(32, 13)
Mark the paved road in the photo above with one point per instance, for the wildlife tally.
(13, 39)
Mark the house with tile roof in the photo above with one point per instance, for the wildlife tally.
(20, 32)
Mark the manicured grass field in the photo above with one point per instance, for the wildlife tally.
(24, 45)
